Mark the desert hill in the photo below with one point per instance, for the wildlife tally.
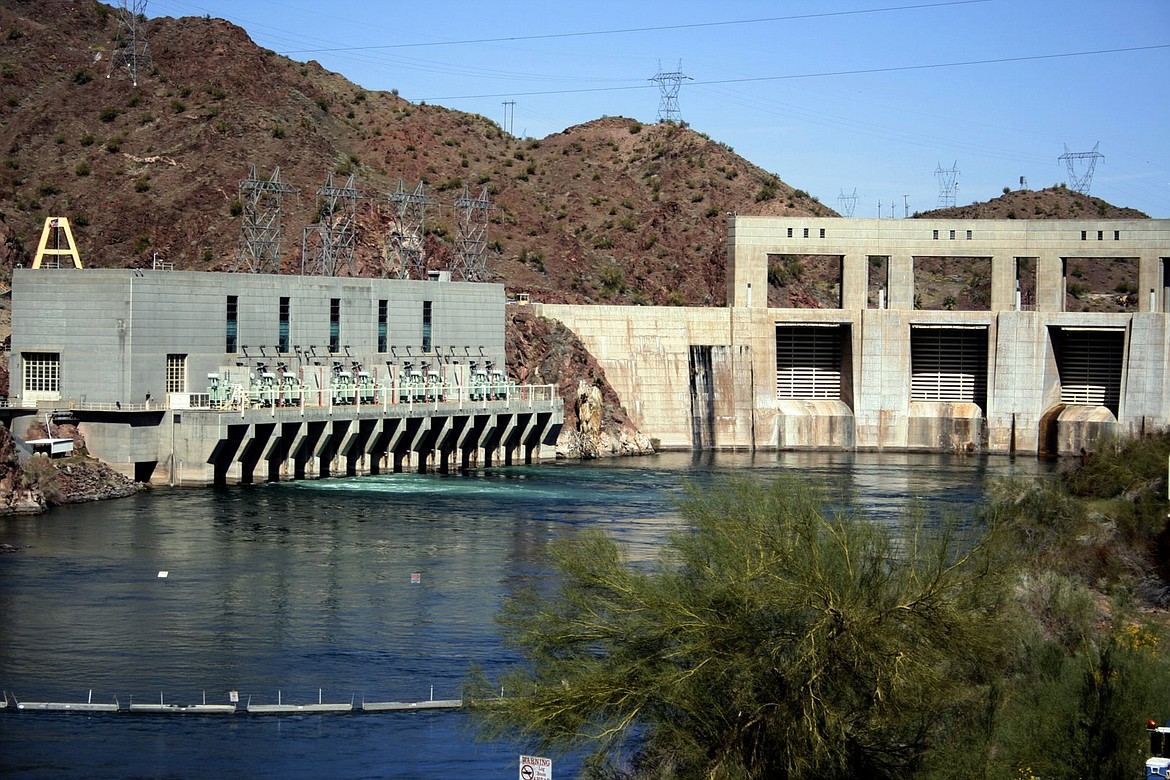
(1057, 202)
(611, 210)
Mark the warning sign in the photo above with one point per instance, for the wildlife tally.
(535, 768)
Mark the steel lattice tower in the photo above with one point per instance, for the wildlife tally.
(405, 246)
(847, 203)
(1084, 182)
(130, 46)
(669, 85)
(329, 245)
(948, 184)
(260, 230)
(471, 239)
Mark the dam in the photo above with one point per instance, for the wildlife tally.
(875, 370)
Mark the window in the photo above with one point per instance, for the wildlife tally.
(952, 235)
(383, 334)
(334, 324)
(936, 235)
(426, 327)
(1100, 235)
(822, 232)
(1116, 235)
(42, 374)
(1084, 235)
(790, 232)
(282, 333)
(176, 373)
(806, 232)
(969, 235)
(233, 324)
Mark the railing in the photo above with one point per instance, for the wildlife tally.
(234, 398)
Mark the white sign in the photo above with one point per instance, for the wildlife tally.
(535, 768)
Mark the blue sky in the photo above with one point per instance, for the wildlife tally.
(831, 95)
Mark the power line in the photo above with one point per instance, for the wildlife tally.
(628, 30)
(822, 74)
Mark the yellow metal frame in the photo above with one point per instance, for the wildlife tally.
(51, 224)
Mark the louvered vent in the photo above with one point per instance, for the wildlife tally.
(808, 362)
(948, 364)
(1089, 362)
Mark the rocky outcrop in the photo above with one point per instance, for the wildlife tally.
(542, 350)
(40, 482)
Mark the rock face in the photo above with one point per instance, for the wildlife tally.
(40, 482)
(542, 350)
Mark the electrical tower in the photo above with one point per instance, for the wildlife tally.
(847, 203)
(668, 86)
(948, 184)
(509, 116)
(131, 49)
(405, 247)
(471, 240)
(328, 245)
(1084, 182)
(261, 202)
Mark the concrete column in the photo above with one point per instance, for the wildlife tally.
(900, 293)
(854, 282)
(1049, 283)
(1003, 283)
(747, 272)
(1149, 280)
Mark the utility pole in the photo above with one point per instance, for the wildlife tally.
(1083, 182)
(948, 184)
(131, 49)
(509, 116)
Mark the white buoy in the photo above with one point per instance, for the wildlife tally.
(162, 575)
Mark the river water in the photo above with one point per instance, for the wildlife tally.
(380, 588)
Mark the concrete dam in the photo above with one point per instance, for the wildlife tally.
(876, 372)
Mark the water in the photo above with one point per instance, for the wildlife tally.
(304, 587)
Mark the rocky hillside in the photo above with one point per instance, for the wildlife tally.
(611, 210)
(1052, 203)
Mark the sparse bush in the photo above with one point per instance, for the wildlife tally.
(178, 106)
(278, 132)
(48, 190)
(235, 208)
(142, 183)
(82, 76)
(216, 92)
(86, 140)
(109, 114)
(82, 168)
(635, 128)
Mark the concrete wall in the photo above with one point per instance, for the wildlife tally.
(647, 355)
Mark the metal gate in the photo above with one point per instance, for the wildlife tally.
(1089, 361)
(949, 364)
(808, 361)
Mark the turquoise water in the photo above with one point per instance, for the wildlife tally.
(304, 587)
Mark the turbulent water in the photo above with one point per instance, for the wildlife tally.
(306, 590)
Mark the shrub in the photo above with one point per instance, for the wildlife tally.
(108, 114)
(82, 76)
(82, 168)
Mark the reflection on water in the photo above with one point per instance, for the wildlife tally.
(304, 586)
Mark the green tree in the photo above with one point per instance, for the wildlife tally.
(772, 639)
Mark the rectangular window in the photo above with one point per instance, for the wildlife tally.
(334, 324)
(806, 232)
(822, 232)
(790, 232)
(969, 235)
(42, 375)
(935, 235)
(383, 331)
(282, 334)
(426, 329)
(1100, 235)
(233, 324)
(1116, 235)
(952, 235)
(1084, 235)
(176, 373)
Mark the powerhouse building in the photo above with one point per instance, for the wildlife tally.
(196, 378)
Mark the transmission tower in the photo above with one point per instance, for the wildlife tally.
(847, 203)
(261, 202)
(471, 240)
(509, 116)
(405, 247)
(948, 184)
(131, 49)
(668, 86)
(328, 245)
(1084, 182)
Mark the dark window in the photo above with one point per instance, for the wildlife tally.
(233, 324)
(952, 235)
(426, 329)
(282, 334)
(334, 324)
(383, 335)
(1100, 235)
(790, 232)
(936, 235)
(968, 235)
(1084, 235)
(822, 232)
(1116, 235)
(806, 232)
